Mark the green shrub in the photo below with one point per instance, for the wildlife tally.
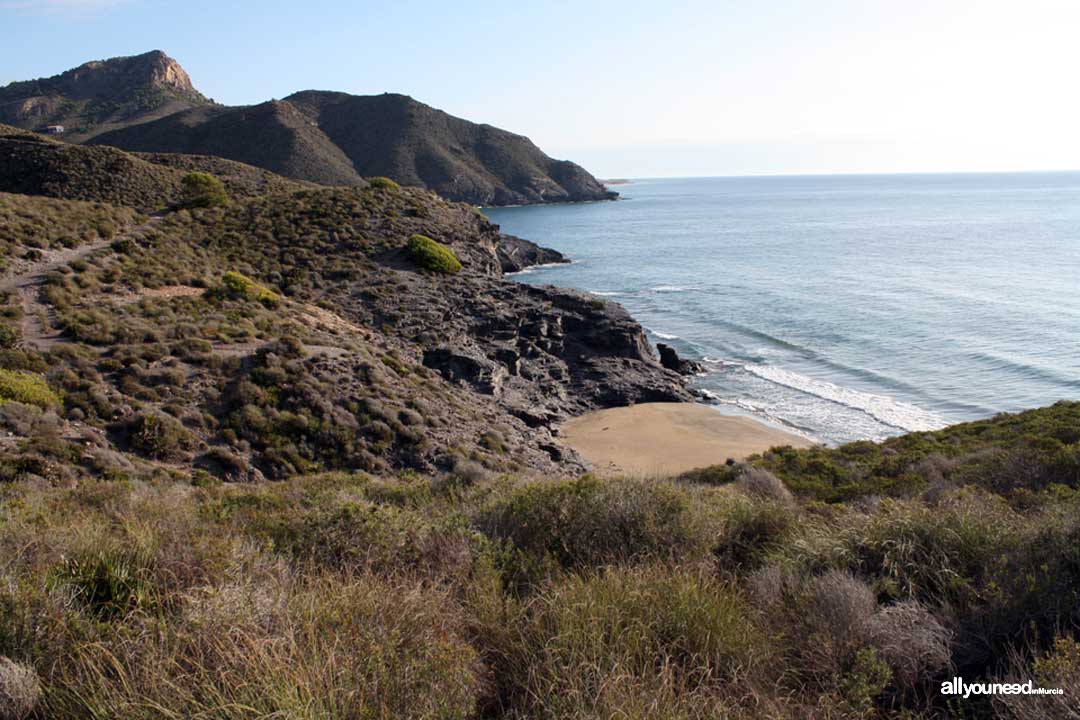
(383, 183)
(589, 522)
(160, 436)
(244, 287)
(9, 337)
(750, 530)
(201, 190)
(433, 256)
(27, 388)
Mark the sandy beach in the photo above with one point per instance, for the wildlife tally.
(668, 438)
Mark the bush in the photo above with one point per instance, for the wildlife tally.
(588, 523)
(201, 190)
(27, 388)
(9, 337)
(760, 483)
(911, 641)
(433, 256)
(160, 436)
(750, 531)
(244, 287)
(383, 183)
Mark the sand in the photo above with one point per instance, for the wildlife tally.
(653, 439)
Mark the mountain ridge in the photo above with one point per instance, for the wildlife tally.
(148, 103)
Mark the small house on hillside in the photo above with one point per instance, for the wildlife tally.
(54, 130)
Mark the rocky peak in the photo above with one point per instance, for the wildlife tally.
(115, 79)
(120, 76)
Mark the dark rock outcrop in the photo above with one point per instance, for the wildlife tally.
(517, 254)
(670, 359)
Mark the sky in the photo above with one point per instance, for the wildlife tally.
(635, 89)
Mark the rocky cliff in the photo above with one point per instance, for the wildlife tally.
(101, 95)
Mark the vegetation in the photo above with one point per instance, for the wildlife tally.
(382, 183)
(202, 190)
(433, 256)
(408, 560)
(349, 595)
(246, 288)
(36, 165)
(29, 224)
(27, 388)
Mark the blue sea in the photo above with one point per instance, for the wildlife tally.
(842, 307)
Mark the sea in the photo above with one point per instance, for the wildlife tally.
(841, 307)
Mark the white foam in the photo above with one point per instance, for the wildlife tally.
(534, 268)
(884, 409)
(671, 288)
(605, 293)
(663, 335)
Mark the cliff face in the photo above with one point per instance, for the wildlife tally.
(101, 95)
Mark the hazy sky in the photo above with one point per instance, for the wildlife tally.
(636, 89)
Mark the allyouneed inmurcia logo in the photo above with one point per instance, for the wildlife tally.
(957, 686)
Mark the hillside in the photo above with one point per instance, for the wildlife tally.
(502, 357)
(37, 165)
(273, 135)
(100, 95)
(297, 455)
(333, 138)
(396, 136)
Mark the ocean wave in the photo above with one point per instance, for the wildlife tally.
(886, 410)
(663, 335)
(671, 289)
(605, 293)
(1023, 369)
(722, 362)
(752, 409)
(534, 268)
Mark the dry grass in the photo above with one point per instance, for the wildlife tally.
(20, 690)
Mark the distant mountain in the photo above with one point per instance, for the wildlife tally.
(148, 103)
(274, 135)
(396, 136)
(101, 95)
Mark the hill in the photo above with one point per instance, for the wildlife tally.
(396, 136)
(37, 165)
(273, 135)
(147, 103)
(333, 138)
(101, 95)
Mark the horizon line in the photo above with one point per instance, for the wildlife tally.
(841, 173)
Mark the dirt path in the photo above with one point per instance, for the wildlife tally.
(39, 323)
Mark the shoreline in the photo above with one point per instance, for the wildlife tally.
(659, 439)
